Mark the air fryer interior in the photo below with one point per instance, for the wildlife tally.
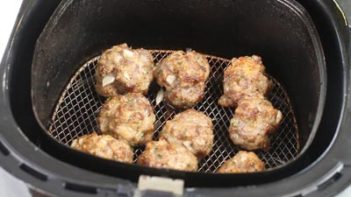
(279, 31)
(34, 157)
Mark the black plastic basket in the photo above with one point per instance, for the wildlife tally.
(281, 31)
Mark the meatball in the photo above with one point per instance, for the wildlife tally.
(254, 120)
(104, 146)
(242, 162)
(244, 77)
(129, 117)
(162, 154)
(191, 128)
(184, 76)
(122, 70)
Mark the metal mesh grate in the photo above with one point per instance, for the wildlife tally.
(76, 111)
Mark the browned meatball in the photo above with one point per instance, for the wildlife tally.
(129, 117)
(242, 162)
(244, 77)
(121, 70)
(191, 128)
(162, 154)
(254, 120)
(104, 146)
(184, 76)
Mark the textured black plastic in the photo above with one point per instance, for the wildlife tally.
(314, 173)
(279, 31)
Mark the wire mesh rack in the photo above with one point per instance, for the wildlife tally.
(78, 106)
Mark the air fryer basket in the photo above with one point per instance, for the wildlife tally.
(279, 30)
(77, 108)
(79, 30)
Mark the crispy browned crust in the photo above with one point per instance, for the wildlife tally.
(131, 68)
(255, 119)
(243, 162)
(244, 77)
(191, 128)
(184, 76)
(162, 154)
(129, 117)
(104, 146)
